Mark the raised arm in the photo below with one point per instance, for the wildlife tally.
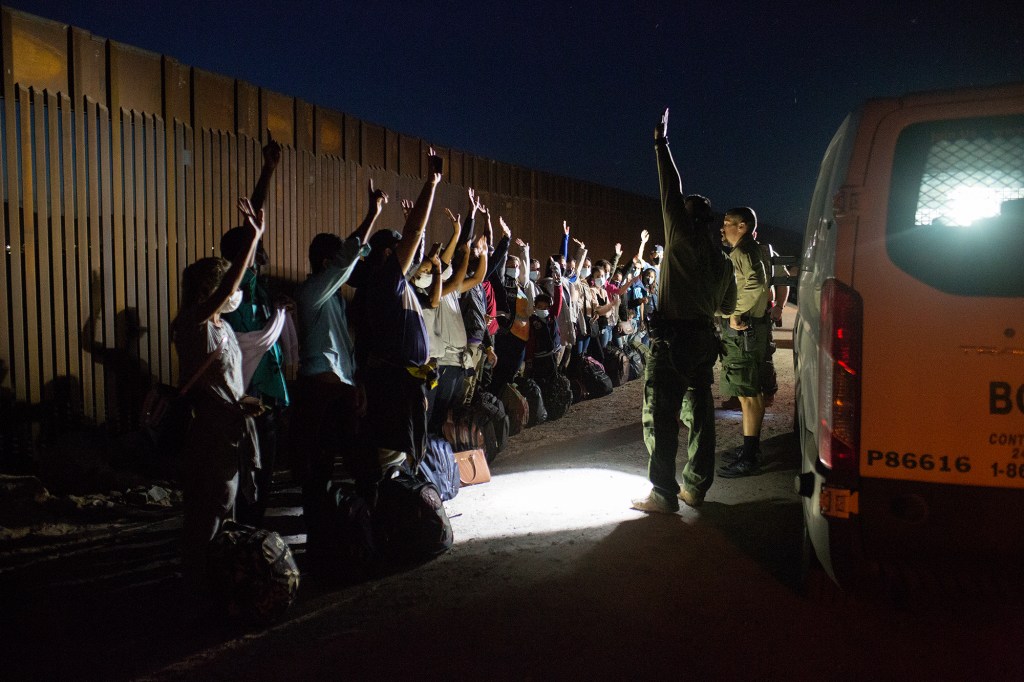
(449, 250)
(377, 199)
(644, 237)
(458, 280)
(271, 157)
(416, 223)
(233, 277)
(580, 256)
(673, 203)
(480, 248)
(524, 262)
(615, 261)
(565, 240)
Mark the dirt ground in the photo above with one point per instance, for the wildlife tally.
(552, 576)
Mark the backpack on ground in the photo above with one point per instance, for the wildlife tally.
(557, 392)
(411, 520)
(516, 407)
(345, 547)
(489, 415)
(462, 431)
(534, 398)
(595, 379)
(616, 365)
(439, 467)
(252, 573)
(636, 363)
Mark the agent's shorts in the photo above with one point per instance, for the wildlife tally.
(742, 370)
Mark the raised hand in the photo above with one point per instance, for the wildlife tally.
(644, 236)
(435, 263)
(565, 227)
(521, 244)
(253, 218)
(377, 196)
(661, 130)
(618, 249)
(435, 164)
(271, 151)
(481, 244)
(579, 243)
(407, 207)
(456, 219)
(504, 227)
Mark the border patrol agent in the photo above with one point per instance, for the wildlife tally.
(696, 281)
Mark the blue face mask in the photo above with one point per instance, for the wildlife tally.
(541, 313)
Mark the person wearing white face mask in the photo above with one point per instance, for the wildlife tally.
(258, 320)
(545, 342)
(221, 453)
(510, 342)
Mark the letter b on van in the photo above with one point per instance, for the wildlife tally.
(1001, 397)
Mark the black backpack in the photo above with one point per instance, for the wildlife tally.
(595, 379)
(636, 364)
(616, 365)
(531, 391)
(439, 467)
(411, 522)
(346, 547)
(489, 415)
(252, 573)
(557, 392)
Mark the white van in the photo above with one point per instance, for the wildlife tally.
(909, 339)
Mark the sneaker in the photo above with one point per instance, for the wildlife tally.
(730, 456)
(691, 498)
(740, 468)
(734, 455)
(655, 502)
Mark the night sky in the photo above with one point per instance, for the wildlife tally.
(576, 88)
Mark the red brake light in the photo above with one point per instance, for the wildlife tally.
(842, 318)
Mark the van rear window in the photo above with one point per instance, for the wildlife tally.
(956, 211)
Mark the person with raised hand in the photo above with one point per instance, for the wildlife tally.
(221, 453)
(328, 400)
(684, 345)
(392, 348)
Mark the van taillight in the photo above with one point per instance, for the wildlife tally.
(839, 363)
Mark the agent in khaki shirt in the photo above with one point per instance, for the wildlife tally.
(745, 335)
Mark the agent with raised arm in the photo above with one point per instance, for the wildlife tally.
(684, 346)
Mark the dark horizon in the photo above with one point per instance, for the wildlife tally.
(756, 95)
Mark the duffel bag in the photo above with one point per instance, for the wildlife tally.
(616, 365)
(489, 415)
(345, 547)
(252, 573)
(411, 519)
(516, 407)
(439, 467)
(534, 398)
(636, 364)
(596, 381)
(557, 392)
